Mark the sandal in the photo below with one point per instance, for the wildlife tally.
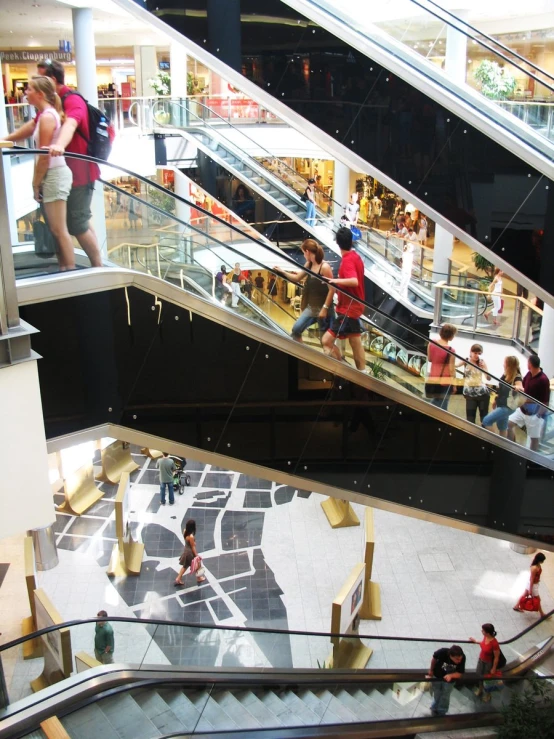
(519, 610)
(202, 579)
(178, 583)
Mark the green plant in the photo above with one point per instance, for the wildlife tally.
(495, 82)
(377, 370)
(161, 83)
(193, 84)
(323, 666)
(482, 264)
(161, 200)
(530, 713)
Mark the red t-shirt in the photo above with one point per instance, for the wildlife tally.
(351, 266)
(488, 649)
(75, 107)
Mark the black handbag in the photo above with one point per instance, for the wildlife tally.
(45, 243)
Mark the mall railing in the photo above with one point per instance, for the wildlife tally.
(152, 644)
(385, 339)
(396, 36)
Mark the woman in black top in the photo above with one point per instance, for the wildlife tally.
(511, 383)
(235, 285)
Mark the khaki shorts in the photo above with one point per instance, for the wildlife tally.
(78, 209)
(57, 184)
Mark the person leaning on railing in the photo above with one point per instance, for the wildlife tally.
(531, 415)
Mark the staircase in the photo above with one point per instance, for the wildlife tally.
(144, 713)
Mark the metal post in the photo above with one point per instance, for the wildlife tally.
(439, 286)
(476, 306)
(528, 327)
(517, 316)
(9, 313)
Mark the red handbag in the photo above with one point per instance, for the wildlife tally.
(530, 603)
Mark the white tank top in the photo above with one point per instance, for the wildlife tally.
(497, 289)
(53, 161)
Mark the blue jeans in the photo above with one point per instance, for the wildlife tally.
(441, 696)
(171, 491)
(310, 213)
(498, 416)
(306, 319)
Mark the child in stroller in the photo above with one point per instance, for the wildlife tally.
(181, 478)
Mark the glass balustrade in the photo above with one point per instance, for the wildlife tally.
(144, 645)
(169, 248)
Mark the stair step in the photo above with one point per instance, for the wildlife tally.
(127, 717)
(184, 709)
(277, 707)
(88, 723)
(236, 709)
(299, 708)
(214, 717)
(257, 708)
(158, 711)
(337, 709)
(315, 704)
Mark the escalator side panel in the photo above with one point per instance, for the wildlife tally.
(186, 378)
(481, 187)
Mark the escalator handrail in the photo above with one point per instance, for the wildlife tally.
(254, 629)
(259, 146)
(18, 151)
(489, 38)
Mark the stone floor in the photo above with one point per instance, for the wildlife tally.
(271, 561)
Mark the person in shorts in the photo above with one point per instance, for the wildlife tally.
(51, 177)
(73, 138)
(530, 416)
(346, 324)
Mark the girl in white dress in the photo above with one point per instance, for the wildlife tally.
(495, 290)
(422, 234)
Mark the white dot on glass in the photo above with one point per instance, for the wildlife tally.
(528, 175)
(409, 182)
(288, 463)
(134, 418)
(352, 141)
(217, 49)
(109, 410)
(305, 467)
(228, 444)
(465, 131)
(247, 348)
(448, 120)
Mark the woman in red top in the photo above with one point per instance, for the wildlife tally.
(488, 656)
(533, 588)
(441, 368)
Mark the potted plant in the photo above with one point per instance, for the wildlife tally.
(530, 713)
(161, 84)
(483, 265)
(495, 82)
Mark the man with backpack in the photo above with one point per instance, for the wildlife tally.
(74, 138)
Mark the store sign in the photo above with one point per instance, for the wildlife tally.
(29, 56)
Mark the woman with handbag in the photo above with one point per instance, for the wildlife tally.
(441, 368)
(505, 404)
(531, 600)
(476, 392)
(190, 557)
(52, 178)
(489, 657)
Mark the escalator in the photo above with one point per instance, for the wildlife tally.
(275, 181)
(469, 165)
(179, 679)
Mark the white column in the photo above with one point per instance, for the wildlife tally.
(341, 189)
(182, 190)
(9, 223)
(546, 344)
(178, 70)
(146, 67)
(85, 53)
(85, 67)
(442, 251)
(455, 63)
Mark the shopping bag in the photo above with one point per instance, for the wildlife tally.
(45, 244)
(356, 233)
(196, 564)
(530, 603)
(501, 310)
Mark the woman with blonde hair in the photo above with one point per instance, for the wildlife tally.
(510, 382)
(52, 178)
(315, 290)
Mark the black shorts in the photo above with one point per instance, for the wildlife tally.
(78, 209)
(342, 326)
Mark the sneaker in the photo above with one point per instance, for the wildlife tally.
(163, 502)
(172, 502)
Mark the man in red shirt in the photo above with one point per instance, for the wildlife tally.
(531, 415)
(73, 138)
(346, 324)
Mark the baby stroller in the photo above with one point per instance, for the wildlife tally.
(181, 478)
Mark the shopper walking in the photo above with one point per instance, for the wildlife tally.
(346, 324)
(530, 415)
(532, 591)
(476, 391)
(166, 466)
(235, 285)
(495, 291)
(510, 383)
(52, 177)
(189, 553)
(315, 290)
(222, 287)
(441, 368)
(309, 199)
(447, 665)
(489, 656)
(103, 640)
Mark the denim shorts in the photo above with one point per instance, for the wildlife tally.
(342, 326)
(306, 319)
(57, 184)
(78, 209)
(498, 416)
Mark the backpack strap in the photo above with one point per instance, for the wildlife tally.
(73, 92)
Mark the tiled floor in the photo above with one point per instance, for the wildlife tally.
(271, 561)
